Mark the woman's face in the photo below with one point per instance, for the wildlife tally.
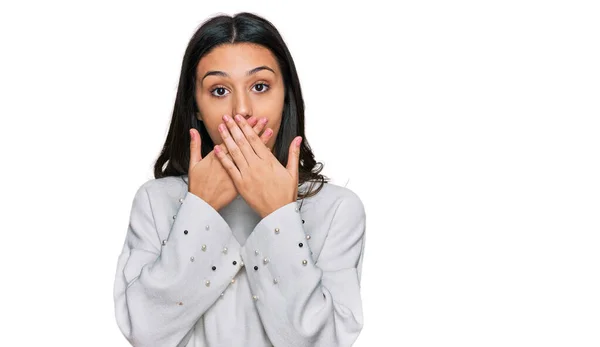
(240, 78)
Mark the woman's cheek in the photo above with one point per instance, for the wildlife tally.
(215, 136)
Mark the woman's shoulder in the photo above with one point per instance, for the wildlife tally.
(170, 187)
(164, 182)
(332, 194)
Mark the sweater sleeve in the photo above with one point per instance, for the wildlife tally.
(302, 302)
(163, 287)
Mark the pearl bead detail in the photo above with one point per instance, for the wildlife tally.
(207, 283)
(192, 259)
(207, 227)
(275, 281)
(276, 230)
(304, 262)
(164, 242)
(204, 248)
(265, 261)
(224, 250)
(308, 237)
(254, 297)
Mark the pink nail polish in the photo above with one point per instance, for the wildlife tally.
(225, 118)
(238, 117)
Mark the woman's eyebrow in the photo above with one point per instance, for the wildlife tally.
(221, 73)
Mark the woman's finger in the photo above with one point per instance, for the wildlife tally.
(252, 121)
(266, 135)
(250, 143)
(241, 142)
(227, 163)
(195, 145)
(232, 147)
(257, 126)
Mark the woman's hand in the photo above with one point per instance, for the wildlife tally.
(257, 174)
(208, 179)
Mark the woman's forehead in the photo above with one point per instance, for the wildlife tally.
(236, 59)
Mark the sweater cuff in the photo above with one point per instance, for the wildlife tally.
(201, 250)
(277, 254)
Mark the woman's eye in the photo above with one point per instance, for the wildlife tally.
(261, 87)
(219, 91)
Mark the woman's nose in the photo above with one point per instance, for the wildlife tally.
(242, 106)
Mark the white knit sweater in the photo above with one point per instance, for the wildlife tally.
(189, 275)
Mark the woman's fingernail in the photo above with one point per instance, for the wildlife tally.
(225, 118)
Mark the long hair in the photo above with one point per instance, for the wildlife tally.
(243, 27)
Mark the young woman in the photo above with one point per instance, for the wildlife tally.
(239, 240)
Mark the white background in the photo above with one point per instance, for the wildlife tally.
(470, 129)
